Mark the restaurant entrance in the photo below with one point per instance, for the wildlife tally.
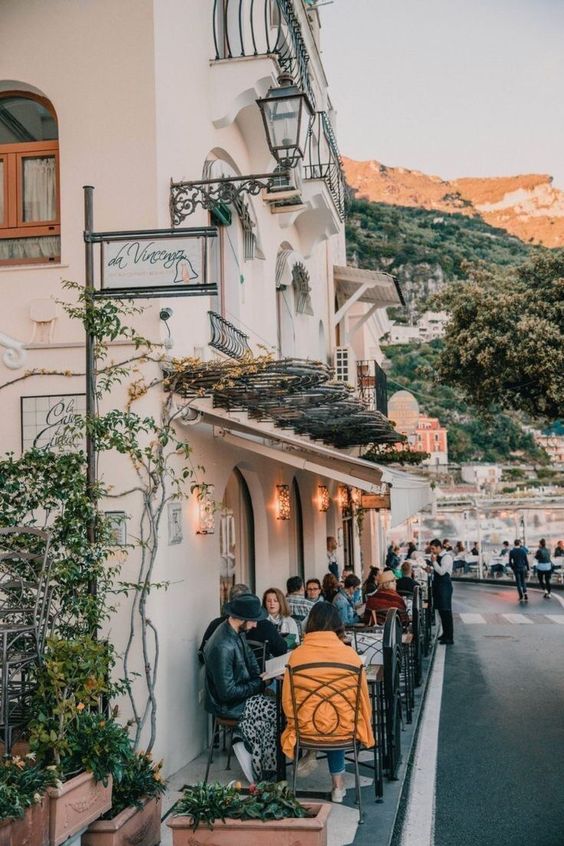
(237, 537)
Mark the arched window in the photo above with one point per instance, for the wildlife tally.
(29, 180)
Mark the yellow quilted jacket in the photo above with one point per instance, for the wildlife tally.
(334, 716)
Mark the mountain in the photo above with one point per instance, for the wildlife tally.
(526, 206)
(425, 248)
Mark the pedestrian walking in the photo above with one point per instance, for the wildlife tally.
(441, 567)
(544, 567)
(519, 563)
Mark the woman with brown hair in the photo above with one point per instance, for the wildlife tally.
(323, 643)
(330, 587)
(276, 606)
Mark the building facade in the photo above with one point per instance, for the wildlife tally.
(128, 97)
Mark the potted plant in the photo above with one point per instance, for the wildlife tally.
(72, 679)
(268, 813)
(24, 808)
(135, 815)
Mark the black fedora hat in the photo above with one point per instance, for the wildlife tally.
(245, 607)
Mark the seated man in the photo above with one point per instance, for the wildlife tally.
(345, 603)
(234, 687)
(499, 567)
(386, 597)
(297, 603)
(406, 584)
(264, 632)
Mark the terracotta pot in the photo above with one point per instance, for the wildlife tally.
(31, 830)
(19, 748)
(310, 831)
(138, 826)
(76, 804)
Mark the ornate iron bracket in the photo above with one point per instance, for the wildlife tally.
(185, 197)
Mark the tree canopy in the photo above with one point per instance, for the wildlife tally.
(504, 342)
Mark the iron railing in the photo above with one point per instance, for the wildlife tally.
(323, 160)
(263, 28)
(227, 338)
(372, 385)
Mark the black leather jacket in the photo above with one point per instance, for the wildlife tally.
(232, 673)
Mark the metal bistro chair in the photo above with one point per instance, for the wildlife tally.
(369, 642)
(313, 700)
(25, 597)
(392, 692)
(260, 651)
(417, 628)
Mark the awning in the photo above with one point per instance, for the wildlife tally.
(408, 493)
(353, 284)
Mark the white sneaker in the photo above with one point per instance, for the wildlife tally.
(245, 761)
(307, 762)
(546, 594)
(338, 794)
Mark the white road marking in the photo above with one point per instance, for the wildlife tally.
(556, 618)
(419, 823)
(517, 618)
(472, 618)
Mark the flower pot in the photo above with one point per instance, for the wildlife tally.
(138, 826)
(76, 804)
(309, 831)
(31, 830)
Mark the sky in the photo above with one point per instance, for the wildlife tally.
(449, 87)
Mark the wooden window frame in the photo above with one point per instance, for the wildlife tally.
(13, 225)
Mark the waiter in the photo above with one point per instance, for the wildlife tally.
(441, 567)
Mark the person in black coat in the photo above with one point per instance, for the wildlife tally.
(264, 632)
(519, 563)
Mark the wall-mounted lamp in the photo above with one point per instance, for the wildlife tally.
(283, 507)
(206, 510)
(323, 497)
(343, 496)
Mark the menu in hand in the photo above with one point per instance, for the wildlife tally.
(275, 666)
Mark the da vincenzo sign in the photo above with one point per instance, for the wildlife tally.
(151, 264)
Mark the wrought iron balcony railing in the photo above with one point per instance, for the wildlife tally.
(372, 385)
(323, 160)
(263, 28)
(227, 338)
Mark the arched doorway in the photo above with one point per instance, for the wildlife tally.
(297, 567)
(237, 537)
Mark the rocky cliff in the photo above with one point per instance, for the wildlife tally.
(527, 206)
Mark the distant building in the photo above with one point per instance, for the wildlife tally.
(431, 325)
(485, 476)
(431, 437)
(553, 445)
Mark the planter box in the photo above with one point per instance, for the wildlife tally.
(76, 804)
(138, 826)
(31, 830)
(310, 831)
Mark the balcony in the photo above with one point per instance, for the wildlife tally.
(254, 41)
(323, 160)
(226, 338)
(372, 385)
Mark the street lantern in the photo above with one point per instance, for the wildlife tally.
(286, 113)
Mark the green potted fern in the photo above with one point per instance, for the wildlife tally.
(24, 808)
(225, 816)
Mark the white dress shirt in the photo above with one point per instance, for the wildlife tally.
(445, 566)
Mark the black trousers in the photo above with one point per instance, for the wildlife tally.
(446, 623)
(544, 579)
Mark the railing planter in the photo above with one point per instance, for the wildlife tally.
(307, 831)
(31, 830)
(139, 826)
(323, 160)
(74, 805)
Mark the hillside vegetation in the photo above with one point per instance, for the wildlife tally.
(384, 236)
(470, 438)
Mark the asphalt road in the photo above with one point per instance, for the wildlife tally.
(500, 770)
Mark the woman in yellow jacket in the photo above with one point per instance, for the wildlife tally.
(323, 643)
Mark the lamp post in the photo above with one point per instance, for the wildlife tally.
(286, 114)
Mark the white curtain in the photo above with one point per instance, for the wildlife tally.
(1, 191)
(30, 248)
(39, 200)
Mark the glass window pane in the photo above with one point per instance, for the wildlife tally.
(39, 189)
(1, 191)
(23, 120)
(44, 248)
